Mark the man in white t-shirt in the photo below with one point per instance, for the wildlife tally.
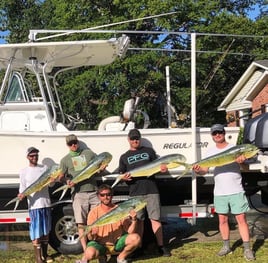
(229, 195)
(38, 204)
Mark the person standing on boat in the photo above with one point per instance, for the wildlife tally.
(137, 156)
(38, 204)
(84, 195)
(229, 195)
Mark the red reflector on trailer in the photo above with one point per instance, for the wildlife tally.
(7, 220)
(187, 215)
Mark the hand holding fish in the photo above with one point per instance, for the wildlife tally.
(126, 177)
(93, 167)
(70, 183)
(200, 170)
(161, 164)
(44, 180)
(163, 168)
(92, 233)
(21, 196)
(236, 153)
(103, 167)
(133, 215)
(240, 159)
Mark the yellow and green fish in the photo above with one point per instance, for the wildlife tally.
(171, 161)
(225, 157)
(93, 167)
(120, 212)
(45, 179)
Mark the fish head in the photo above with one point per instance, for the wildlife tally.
(249, 150)
(105, 158)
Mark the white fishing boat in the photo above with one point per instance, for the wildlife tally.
(31, 115)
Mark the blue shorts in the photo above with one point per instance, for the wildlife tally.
(236, 204)
(40, 224)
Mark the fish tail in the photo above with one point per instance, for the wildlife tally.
(179, 177)
(16, 199)
(16, 205)
(117, 180)
(60, 188)
(63, 193)
(188, 167)
(103, 178)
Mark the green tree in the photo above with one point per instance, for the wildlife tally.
(224, 51)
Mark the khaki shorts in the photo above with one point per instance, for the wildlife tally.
(153, 207)
(82, 202)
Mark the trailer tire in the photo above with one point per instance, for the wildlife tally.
(64, 234)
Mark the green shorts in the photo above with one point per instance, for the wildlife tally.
(103, 250)
(236, 204)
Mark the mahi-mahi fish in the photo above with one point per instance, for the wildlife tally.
(170, 160)
(94, 166)
(45, 179)
(225, 157)
(120, 212)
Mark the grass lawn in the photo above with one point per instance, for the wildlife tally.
(198, 244)
(188, 251)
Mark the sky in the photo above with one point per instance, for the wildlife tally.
(252, 14)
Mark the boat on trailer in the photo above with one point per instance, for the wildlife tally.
(31, 115)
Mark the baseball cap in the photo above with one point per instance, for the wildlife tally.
(71, 138)
(217, 127)
(31, 150)
(134, 133)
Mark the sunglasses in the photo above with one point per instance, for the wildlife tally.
(70, 143)
(134, 138)
(105, 194)
(217, 132)
(33, 155)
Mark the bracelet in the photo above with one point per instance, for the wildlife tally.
(133, 219)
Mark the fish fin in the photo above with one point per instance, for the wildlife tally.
(117, 180)
(63, 193)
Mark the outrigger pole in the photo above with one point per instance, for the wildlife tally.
(33, 33)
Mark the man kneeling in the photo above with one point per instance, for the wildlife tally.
(119, 238)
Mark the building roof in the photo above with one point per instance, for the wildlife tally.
(247, 87)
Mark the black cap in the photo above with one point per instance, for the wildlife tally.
(31, 150)
(134, 133)
(217, 127)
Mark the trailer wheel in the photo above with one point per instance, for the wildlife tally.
(64, 233)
